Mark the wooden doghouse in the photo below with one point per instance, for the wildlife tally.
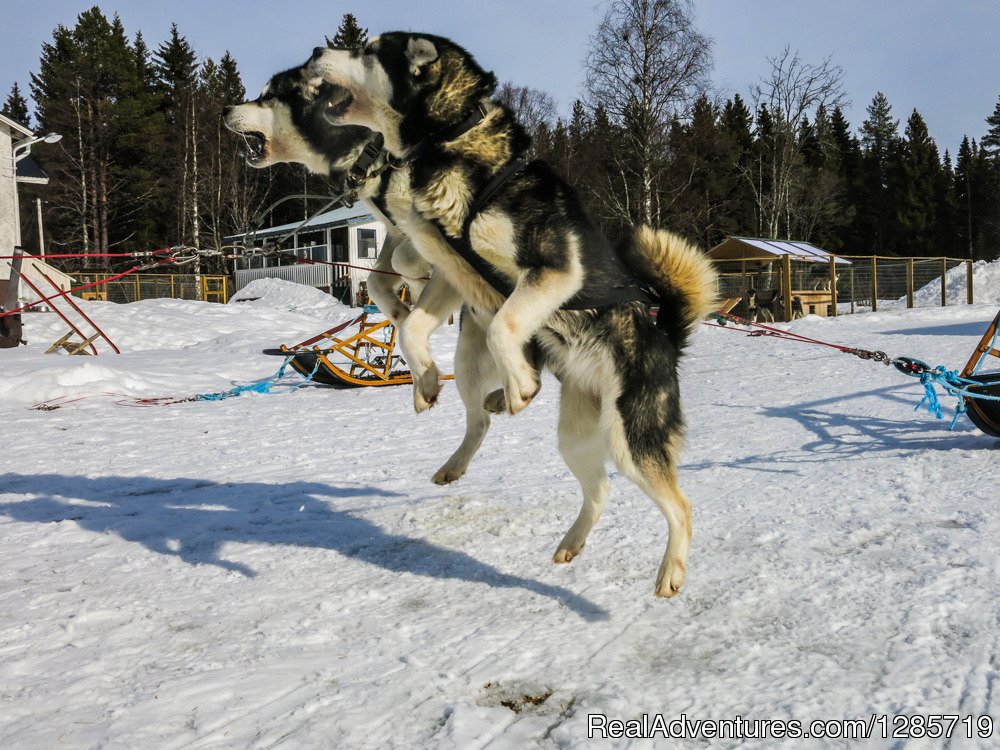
(799, 277)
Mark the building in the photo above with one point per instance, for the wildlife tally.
(10, 226)
(786, 277)
(24, 172)
(349, 235)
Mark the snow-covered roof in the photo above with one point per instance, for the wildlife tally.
(338, 217)
(756, 247)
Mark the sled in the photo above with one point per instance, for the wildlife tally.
(985, 414)
(363, 358)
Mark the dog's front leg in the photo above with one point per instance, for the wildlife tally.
(383, 283)
(537, 295)
(437, 301)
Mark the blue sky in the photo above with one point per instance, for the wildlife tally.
(940, 57)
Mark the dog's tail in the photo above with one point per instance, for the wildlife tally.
(681, 275)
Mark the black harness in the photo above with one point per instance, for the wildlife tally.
(628, 289)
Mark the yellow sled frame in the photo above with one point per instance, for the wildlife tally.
(369, 351)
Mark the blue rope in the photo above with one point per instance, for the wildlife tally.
(951, 383)
(265, 385)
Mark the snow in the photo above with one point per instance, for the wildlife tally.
(279, 569)
(985, 285)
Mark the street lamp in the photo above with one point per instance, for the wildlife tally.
(23, 148)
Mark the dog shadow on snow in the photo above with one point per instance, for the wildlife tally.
(192, 519)
(839, 430)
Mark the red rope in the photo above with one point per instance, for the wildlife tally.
(778, 332)
(77, 289)
(84, 255)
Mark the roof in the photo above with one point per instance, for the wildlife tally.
(15, 126)
(29, 171)
(338, 217)
(738, 248)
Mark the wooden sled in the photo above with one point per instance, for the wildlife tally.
(364, 358)
(985, 414)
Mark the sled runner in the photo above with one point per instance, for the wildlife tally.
(364, 358)
(984, 413)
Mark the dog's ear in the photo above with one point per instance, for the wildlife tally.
(420, 52)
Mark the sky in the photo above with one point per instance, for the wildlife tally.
(939, 57)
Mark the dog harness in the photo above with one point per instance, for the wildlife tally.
(589, 297)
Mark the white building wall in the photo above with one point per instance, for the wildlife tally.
(353, 246)
(10, 232)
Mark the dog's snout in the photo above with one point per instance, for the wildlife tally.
(226, 110)
(317, 53)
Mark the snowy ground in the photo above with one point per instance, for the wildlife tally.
(279, 570)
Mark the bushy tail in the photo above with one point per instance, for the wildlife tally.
(680, 273)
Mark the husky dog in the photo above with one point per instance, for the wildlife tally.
(286, 124)
(759, 305)
(620, 394)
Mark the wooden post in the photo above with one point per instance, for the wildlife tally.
(874, 283)
(833, 285)
(173, 294)
(944, 287)
(786, 284)
(137, 290)
(968, 282)
(909, 282)
(853, 292)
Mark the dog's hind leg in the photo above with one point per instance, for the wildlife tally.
(584, 450)
(476, 375)
(655, 472)
(437, 301)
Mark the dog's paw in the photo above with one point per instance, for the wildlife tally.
(426, 390)
(564, 555)
(496, 402)
(519, 396)
(447, 475)
(670, 578)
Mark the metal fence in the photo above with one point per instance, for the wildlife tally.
(141, 286)
(788, 287)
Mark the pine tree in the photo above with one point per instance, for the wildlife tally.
(736, 128)
(89, 89)
(881, 146)
(349, 35)
(991, 141)
(917, 201)
(16, 107)
(849, 238)
(176, 67)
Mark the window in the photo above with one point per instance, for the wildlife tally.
(366, 243)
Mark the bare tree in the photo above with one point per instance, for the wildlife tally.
(646, 64)
(792, 91)
(533, 108)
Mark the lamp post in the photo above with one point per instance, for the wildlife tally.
(23, 148)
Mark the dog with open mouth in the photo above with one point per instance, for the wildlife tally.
(288, 123)
(513, 239)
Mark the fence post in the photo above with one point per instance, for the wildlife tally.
(833, 285)
(138, 290)
(909, 282)
(968, 282)
(786, 284)
(944, 287)
(874, 283)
